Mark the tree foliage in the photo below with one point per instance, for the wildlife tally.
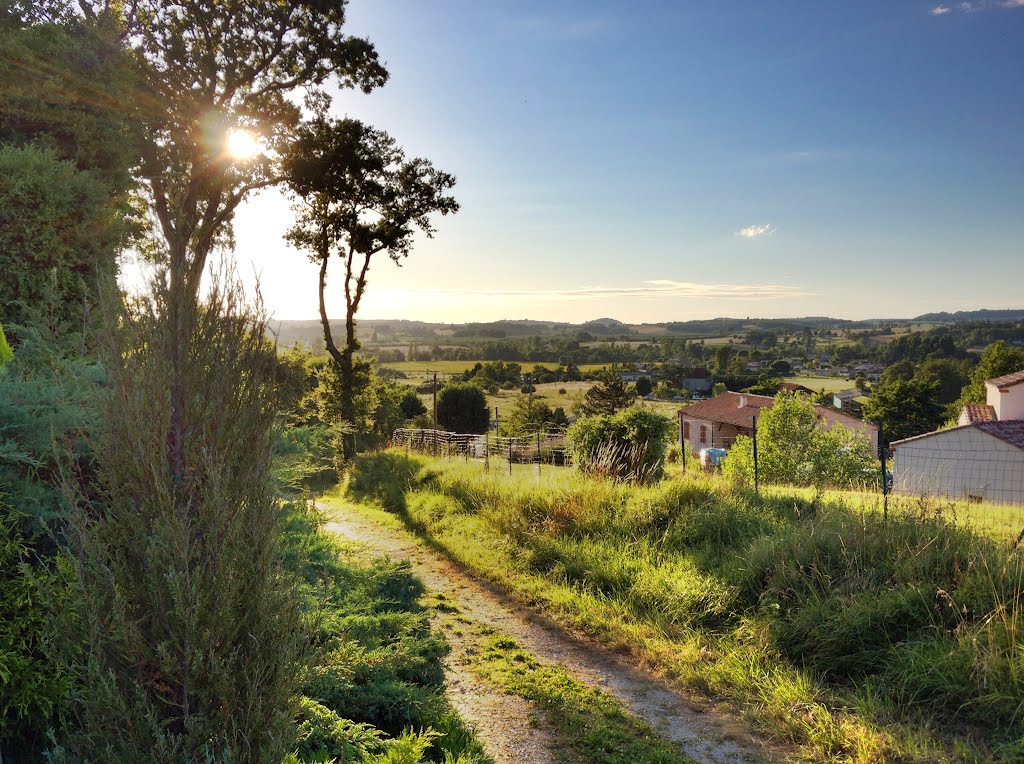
(202, 70)
(359, 197)
(185, 636)
(6, 354)
(531, 414)
(607, 396)
(793, 448)
(462, 407)
(58, 239)
(32, 683)
(628, 445)
(905, 409)
(997, 359)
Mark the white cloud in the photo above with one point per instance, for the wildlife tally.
(655, 288)
(754, 231)
(976, 6)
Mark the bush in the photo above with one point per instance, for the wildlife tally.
(462, 407)
(6, 354)
(629, 445)
(32, 685)
(187, 633)
(792, 448)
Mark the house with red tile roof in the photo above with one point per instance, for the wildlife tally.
(717, 422)
(982, 458)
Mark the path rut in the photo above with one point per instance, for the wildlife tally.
(507, 725)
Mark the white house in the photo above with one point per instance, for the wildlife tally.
(982, 458)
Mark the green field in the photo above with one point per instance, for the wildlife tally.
(831, 384)
(425, 368)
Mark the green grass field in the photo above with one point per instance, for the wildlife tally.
(423, 368)
(830, 384)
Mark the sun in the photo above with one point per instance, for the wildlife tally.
(242, 145)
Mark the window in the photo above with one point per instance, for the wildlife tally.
(686, 430)
(703, 434)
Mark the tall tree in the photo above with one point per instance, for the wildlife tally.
(358, 197)
(905, 409)
(997, 360)
(606, 397)
(205, 70)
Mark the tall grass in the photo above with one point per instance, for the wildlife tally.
(858, 637)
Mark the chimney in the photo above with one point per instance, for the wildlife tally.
(743, 401)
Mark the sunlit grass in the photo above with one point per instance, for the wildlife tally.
(725, 592)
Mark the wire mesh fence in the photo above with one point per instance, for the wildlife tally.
(536, 448)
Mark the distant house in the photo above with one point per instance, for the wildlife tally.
(846, 400)
(716, 423)
(633, 376)
(871, 371)
(982, 458)
(794, 388)
(697, 381)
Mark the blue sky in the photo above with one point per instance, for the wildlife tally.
(656, 161)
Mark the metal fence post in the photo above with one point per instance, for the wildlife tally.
(510, 456)
(487, 451)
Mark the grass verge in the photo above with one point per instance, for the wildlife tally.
(857, 639)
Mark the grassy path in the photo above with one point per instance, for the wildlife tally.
(536, 693)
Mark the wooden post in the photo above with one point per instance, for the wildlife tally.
(510, 456)
(538, 452)
(757, 490)
(881, 465)
(682, 440)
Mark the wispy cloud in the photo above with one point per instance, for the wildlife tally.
(657, 288)
(975, 6)
(755, 231)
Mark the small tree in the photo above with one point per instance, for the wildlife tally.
(359, 196)
(462, 407)
(792, 448)
(530, 414)
(191, 629)
(606, 397)
(644, 387)
(411, 404)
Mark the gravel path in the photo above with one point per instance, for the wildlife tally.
(508, 726)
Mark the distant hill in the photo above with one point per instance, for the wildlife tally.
(401, 332)
(964, 316)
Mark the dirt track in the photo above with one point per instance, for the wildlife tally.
(507, 725)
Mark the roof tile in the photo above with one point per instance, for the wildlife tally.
(1007, 380)
(1011, 431)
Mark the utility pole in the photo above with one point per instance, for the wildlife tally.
(434, 390)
